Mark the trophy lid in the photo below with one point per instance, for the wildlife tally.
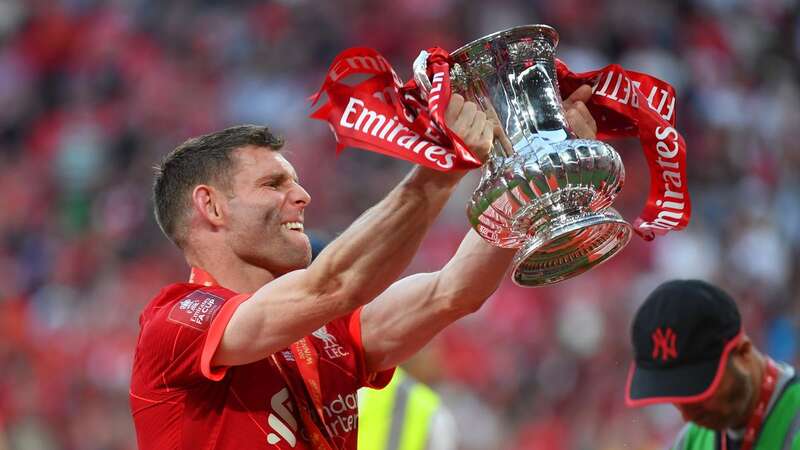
(520, 45)
(508, 36)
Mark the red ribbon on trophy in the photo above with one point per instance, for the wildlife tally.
(384, 115)
(620, 107)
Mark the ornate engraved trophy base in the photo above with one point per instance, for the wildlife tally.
(552, 201)
(569, 245)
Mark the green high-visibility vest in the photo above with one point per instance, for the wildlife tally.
(397, 417)
(780, 431)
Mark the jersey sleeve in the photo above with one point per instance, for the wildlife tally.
(374, 380)
(179, 338)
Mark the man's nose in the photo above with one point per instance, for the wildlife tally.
(299, 196)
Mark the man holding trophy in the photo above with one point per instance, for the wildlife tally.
(261, 349)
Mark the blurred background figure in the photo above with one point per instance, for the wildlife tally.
(92, 93)
(690, 350)
(405, 415)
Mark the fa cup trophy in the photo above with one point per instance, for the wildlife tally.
(543, 190)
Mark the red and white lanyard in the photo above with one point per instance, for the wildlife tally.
(768, 384)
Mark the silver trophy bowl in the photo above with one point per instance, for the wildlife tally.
(543, 190)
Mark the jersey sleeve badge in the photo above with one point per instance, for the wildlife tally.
(196, 310)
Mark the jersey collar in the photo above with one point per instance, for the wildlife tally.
(200, 276)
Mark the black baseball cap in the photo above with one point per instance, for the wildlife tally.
(682, 336)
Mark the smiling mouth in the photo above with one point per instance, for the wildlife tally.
(293, 226)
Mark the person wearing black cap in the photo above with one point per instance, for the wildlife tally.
(690, 350)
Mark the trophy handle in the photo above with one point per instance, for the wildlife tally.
(505, 149)
(420, 68)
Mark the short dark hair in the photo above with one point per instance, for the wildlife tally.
(200, 160)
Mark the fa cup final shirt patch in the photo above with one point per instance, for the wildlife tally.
(196, 310)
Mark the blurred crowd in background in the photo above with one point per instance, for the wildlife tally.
(93, 93)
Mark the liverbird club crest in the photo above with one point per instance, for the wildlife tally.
(332, 347)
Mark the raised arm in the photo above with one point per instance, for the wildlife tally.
(358, 265)
(413, 310)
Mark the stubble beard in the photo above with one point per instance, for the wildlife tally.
(272, 248)
(284, 254)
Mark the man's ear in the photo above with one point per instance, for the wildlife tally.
(207, 202)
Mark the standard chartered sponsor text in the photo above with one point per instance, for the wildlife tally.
(341, 415)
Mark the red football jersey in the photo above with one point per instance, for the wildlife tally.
(179, 402)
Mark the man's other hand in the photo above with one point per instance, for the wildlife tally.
(467, 120)
(578, 116)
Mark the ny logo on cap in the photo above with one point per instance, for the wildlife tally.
(664, 343)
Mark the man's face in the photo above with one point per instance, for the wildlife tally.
(728, 406)
(265, 212)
